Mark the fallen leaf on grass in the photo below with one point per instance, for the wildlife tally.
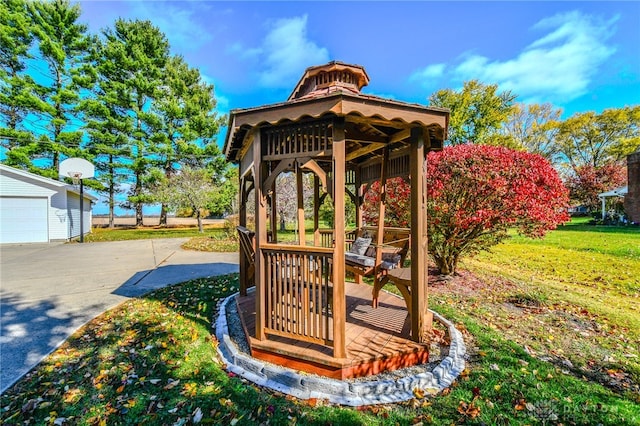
(468, 410)
(189, 389)
(30, 406)
(225, 402)
(520, 405)
(172, 383)
(197, 415)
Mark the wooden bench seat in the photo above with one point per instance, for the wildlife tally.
(378, 259)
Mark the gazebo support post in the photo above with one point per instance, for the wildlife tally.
(273, 222)
(382, 206)
(420, 320)
(339, 302)
(242, 221)
(300, 192)
(316, 208)
(358, 202)
(261, 234)
(359, 198)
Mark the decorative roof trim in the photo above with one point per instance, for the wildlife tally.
(357, 70)
(339, 104)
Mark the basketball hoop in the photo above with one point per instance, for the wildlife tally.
(77, 169)
(75, 177)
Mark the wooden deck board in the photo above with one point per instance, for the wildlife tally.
(378, 337)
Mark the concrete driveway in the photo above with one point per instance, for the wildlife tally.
(47, 291)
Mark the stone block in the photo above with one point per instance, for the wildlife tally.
(406, 384)
(365, 389)
(230, 346)
(280, 375)
(251, 365)
(326, 386)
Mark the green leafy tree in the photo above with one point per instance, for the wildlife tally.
(478, 111)
(188, 188)
(590, 139)
(131, 68)
(225, 198)
(187, 122)
(532, 127)
(63, 46)
(18, 91)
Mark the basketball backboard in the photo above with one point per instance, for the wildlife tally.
(77, 168)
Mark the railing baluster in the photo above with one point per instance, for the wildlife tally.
(269, 284)
(298, 293)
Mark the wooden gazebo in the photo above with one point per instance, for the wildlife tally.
(303, 313)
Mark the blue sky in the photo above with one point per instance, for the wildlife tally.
(579, 56)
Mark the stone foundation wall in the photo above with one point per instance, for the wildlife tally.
(632, 199)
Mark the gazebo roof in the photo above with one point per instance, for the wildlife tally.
(329, 77)
(334, 89)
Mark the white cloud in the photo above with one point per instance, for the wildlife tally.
(429, 73)
(177, 23)
(558, 67)
(285, 53)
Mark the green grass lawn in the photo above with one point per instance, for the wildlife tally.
(551, 329)
(120, 234)
(596, 267)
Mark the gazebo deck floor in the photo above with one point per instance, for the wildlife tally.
(376, 340)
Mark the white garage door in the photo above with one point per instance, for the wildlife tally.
(23, 220)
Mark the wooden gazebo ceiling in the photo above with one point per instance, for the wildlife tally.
(370, 121)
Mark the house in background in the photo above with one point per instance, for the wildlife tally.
(34, 208)
(632, 199)
(614, 193)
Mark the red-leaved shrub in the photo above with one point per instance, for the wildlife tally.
(475, 194)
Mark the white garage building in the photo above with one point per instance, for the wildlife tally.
(38, 209)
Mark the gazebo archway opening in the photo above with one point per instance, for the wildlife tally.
(338, 142)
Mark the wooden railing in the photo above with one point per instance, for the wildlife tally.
(291, 140)
(327, 237)
(298, 292)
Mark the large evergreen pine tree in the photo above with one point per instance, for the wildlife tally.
(108, 130)
(63, 44)
(131, 68)
(188, 122)
(18, 90)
